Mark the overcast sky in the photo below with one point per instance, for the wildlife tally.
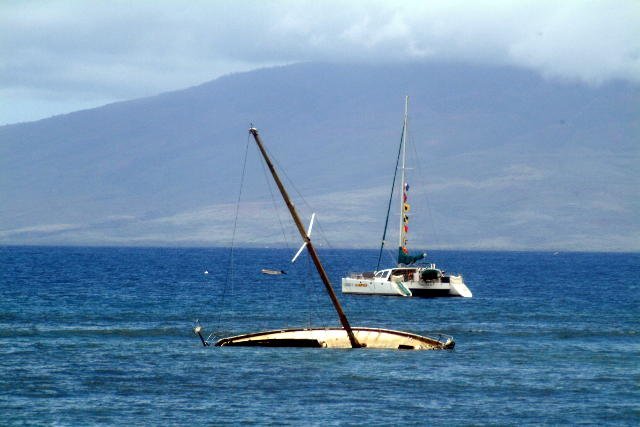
(62, 56)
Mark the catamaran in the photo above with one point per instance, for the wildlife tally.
(327, 337)
(406, 279)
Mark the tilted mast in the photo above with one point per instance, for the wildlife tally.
(310, 248)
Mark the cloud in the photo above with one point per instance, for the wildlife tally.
(74, 52)
(42, 229)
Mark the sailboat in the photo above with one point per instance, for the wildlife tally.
(406, 279)
(345, 336)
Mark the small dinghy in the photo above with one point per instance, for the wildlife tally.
(272, 272)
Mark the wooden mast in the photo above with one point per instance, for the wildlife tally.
(312, 251)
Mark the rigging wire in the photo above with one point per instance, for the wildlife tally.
(291, 184)
(311, 292)
(287, 239)
(321, 232)
(422, 174)
(313, 296)
(307, 293)
(393, 185)
(230, 273)
(275, 205)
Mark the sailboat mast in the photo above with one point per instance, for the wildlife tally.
(310, 248)
(401, 234)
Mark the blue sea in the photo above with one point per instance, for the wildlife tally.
(103, 336)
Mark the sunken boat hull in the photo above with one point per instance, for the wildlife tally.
(338, 338)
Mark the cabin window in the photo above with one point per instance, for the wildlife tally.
(406, 274)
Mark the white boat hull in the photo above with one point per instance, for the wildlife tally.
(436, 288)
(338, 338)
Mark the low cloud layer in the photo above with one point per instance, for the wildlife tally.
(61, 56)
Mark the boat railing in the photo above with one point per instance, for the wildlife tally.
(444, 339)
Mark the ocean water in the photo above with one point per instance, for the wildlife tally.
(103, 336)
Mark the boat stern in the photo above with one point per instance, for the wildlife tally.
(458, 287)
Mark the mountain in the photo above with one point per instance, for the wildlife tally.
(501, 158)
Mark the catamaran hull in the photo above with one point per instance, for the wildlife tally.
(338, 338)
(454, 288)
